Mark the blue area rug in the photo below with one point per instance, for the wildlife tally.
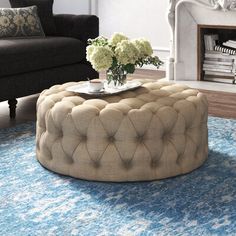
(35, 201)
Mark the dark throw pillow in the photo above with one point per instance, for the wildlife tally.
(44, 12)
(20, 22)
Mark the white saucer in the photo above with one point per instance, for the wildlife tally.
(96, 91)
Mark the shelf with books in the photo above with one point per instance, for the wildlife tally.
(219, 67)
(216, 60)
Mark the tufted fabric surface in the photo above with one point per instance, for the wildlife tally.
(156, 131)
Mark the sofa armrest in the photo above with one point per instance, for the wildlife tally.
(81, 27)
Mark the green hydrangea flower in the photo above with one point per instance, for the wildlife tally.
(117, 38)
(120, 56)
(89, 52)
(126, 52)
(101, 58)
(144, 47)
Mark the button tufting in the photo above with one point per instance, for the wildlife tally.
(155, 163)
(83, 138)
(179, 159)
(166, 137)
(186, 130)
(127, 164)
(69, 160)
(140, 138)
(96, 164)
(111, 139)
(60, 133)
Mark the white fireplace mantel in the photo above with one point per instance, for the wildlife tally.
(184, 16)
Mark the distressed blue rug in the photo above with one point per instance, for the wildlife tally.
(34, 201)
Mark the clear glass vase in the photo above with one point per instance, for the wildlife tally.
(116, 78)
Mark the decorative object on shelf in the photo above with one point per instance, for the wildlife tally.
(119, 56)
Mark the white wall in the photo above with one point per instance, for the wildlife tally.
(137, 18)
(4, 3)
(64, 6)
(72, 6)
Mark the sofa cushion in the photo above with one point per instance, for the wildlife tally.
(44, 11)
(32, 54)
(20, 22)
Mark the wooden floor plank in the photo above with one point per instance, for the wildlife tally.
(221, 104)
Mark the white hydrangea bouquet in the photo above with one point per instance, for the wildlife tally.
(119, 56)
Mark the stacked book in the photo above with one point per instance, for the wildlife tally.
(225, 49)
(219, 67)
(230, 44)
(219, 61)
(210, 41)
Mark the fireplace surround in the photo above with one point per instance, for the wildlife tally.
(185, 17)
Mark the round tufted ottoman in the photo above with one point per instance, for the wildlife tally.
(156, 131)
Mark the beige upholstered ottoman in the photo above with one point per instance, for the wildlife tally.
(156, 131)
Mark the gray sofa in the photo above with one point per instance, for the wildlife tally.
(30, 65)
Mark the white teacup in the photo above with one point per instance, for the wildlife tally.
(96, 85)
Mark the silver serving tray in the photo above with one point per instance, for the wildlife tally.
(83, 88)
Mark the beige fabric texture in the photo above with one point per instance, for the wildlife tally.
(156, 131)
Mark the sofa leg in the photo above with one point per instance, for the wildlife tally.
(12, 106)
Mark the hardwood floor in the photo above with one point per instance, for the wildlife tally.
(220, 104)
(141, 73)
(26, 111)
